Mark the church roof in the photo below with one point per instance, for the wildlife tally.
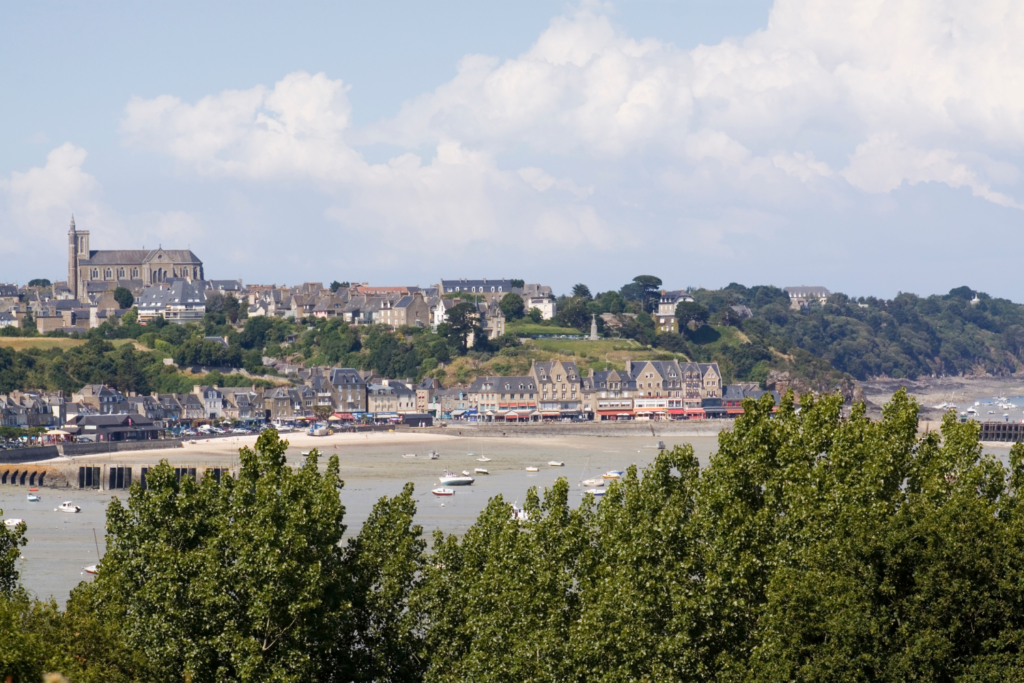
(119, 257)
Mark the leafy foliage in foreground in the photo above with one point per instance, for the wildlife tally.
(813, 547)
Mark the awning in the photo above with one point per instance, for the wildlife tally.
(554, 413)
(57, 432)
(511, 413)
(456, 413)
(342, 416)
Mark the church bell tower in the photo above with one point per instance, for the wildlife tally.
(73, 258)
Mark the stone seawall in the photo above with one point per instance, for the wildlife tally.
(19, 455)
(652, 429)
(72, 449)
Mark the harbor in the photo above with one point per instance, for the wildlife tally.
(62, 545)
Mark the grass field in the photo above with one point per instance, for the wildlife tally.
(23, 343)
(532, 328)
(583, 347)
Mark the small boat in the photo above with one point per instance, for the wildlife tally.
(442, 491)
(612, 474)
(33, 489)
(531, 468)
(481, 470)
(556, 463)
(33, 498)
(465, 473)
(434, 455)
(67, 506)
(519, 514)
(593, 482)
(11, 523)
(91, 569)
(595, 492)
(450, 479)
(483, 458)
(408, 455)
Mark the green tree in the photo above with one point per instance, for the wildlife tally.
(385, 563)
(691, 312)
(517, 283)
(12, 539)
(512, 306)
(335, 286)
(124, 297)
(581, 291)
(39, 282)
(130, 317)
(460, 320)
(237, 580)
(535, 315)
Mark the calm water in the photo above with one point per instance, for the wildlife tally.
(61, 544)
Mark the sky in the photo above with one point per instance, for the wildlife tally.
(869, 147)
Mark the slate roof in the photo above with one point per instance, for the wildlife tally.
(176, 293)
(345, 376)
(807, 291)
(117, 257)
(8, 290)
(476, 286)
(497, 384)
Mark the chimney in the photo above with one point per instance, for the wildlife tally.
(629, 367)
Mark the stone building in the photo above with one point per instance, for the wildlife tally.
(131, 268)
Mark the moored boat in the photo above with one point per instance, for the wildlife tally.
(67, 506)
(451, 479)
(519, 514)
(531, 468)
(409, 455)
(11, 523)
(434, 455)
(91, 569)
(593, 482)
(483, 458)
(33, 498)
(612, 474)
(595, 492)
(442, 491)
(481, 470)
(556, 463)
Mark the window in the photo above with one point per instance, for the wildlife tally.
(109, 273)
(95, 273)
(135, 272)
(120, 273)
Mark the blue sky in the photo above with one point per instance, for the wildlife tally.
(870, 147)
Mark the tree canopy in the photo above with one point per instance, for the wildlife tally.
(814, 545)
(124, 297)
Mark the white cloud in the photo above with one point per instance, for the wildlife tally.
(40, 203)
(837, 100)
(44, 197)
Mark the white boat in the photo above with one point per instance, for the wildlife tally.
(612, 474)
(91, 569)
(483, 458)
(451, 479)
(408, 455)
(519, 514)
(660, 446)
(481, 470)
(11, 523)
(556, 463)
(434, 455)
(595, 492)
(442, 491)
(33, 498)
(465, 473)
(67, 506)
(531, 468)
(593, 482)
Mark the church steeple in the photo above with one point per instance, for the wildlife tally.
(72, 224)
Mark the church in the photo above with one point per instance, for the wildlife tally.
(98, 271)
